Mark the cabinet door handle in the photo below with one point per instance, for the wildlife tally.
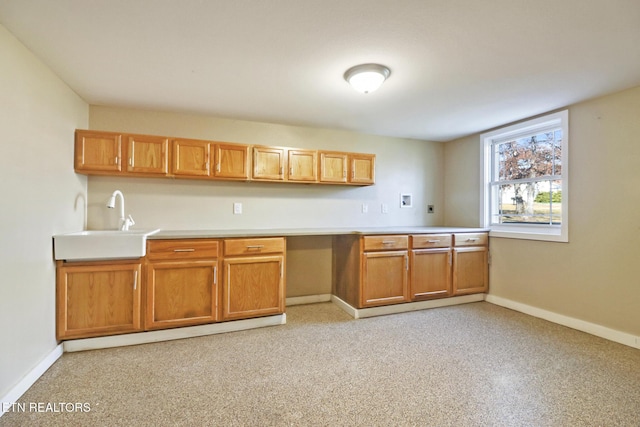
(218, 167)
(184, 250)
(130, 161)
(135, 280)
(450, 258)
(406, 262)
(215, 274)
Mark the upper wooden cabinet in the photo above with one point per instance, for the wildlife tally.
(303, 165)
(125, 154)
(98, 152)
(333, 167)
(232, 161)
(268, 163)
(362, 168)
(347, 168)
(148, 154)
(191, 157)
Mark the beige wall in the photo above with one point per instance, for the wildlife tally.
(596, 276)
(41, 196)
(402, 166)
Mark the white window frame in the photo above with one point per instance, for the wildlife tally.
(548, 232)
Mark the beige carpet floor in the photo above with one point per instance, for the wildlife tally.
(469, 365)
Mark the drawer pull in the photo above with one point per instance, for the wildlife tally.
(184, 250)
(433, 241)
(388, 242)
(255, 246)
(472, 239)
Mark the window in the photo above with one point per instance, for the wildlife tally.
(525, 180)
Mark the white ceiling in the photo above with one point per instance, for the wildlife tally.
(457, 66)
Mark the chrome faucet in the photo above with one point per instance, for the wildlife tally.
(127, 222)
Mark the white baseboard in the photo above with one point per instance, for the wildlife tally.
(361, 313)
(308, 299)
(570, 322)
(25, 383)
(172, 334)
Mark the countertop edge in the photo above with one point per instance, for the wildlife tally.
(293, 232)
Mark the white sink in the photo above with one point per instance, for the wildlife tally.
(101, 244)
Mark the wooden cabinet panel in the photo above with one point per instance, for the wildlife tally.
(96, 299)
(232, 161)
(181, 293)
(426, 241)
(430, 273)
(253, 286)
(98, 151)
(148, 154)
(268, 163)
(470, 270)
(333, 167)
(363, 168)
(471, 239)
(191, 157)
(303, 165)
(171, 249)
(377, 243)
(384, 278)
(253, 246)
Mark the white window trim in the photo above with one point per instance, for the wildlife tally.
(554, 233)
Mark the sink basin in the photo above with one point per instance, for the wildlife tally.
(101, 244)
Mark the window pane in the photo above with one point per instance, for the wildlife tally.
(529, 157)
(538, 202)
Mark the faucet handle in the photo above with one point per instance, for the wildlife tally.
(128, 222)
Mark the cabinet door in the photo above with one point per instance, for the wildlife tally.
(430, 273)
(98, 151)
(384, 278)
(232, 161)
(333, 167)
(253, 286)
(95, 300)
(363, 168)
(303, 165)
(191, 157)
(268, 163)
(181, 293)
(148, 154)
(470, 270)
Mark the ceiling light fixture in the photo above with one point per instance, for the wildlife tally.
(366, 78)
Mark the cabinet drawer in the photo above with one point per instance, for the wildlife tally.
(267, 245)
(182, 249)
(424, 241)
(379, 243)
(471, 239)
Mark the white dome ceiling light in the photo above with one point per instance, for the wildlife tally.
(366, 78)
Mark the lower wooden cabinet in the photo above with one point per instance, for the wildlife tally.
(384, 278)
(98, 298)
(370, 271)
(470, 270)
(181, 293)
(182, 283)
(430, 273)
(253, 278)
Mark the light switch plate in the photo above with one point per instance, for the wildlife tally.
(237, 208)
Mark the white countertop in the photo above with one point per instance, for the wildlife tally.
(258, 232)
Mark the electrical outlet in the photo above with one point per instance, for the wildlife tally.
(384, 208)
(365, 208)
(237, 208)
(430, 209)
